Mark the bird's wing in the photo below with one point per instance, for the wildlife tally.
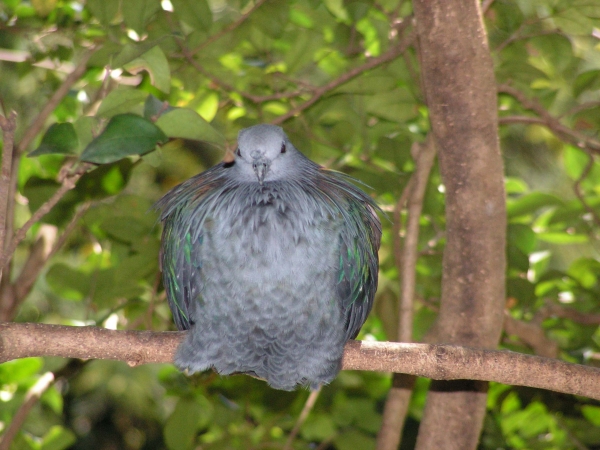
(184, 210)
(359, 239)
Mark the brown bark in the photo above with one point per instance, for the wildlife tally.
(439, 362)
(398, 400)
(460, 89)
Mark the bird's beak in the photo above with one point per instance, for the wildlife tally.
(261, 167)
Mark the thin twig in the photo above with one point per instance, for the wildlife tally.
(396, 406)
(308, 406)
(33, 130)
(581, 107)
(68, 182)
(36, 261)
(344, 78)
(31, 398)
(229, 28)
(581, 140)
(397, 225)
(8, 126)
(579, 193)
(230, 88)
(424, 159)
(38, 123)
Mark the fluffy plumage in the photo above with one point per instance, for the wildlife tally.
(270, 261)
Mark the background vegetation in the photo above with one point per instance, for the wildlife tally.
(343, 78)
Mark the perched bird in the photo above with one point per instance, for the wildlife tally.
(270, 261)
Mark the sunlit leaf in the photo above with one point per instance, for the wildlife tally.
(120, 101)
(155, 63)
(188, 124)
(195, 13)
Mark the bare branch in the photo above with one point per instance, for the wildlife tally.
(579, 193)
(352, 73)
(8, 126)
(31, 398)
(38, 123)
(545, 118)
(228, 29)
(396, 405)
(439, 362)
(532, 335)
(308, 406)
(68, 179)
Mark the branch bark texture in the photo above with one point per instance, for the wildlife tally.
(439, 362)
(460, 89)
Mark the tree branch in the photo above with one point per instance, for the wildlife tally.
(8, 126)
(439, 362)
(545, 118)
(31, 398)
(229, 28)
(579, 192)
(344, 78)
(397, 402)
(38, 123)
(68, 180)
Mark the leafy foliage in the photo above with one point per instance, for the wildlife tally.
(168, 84)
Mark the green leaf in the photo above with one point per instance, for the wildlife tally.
(370, 84)
(154, 108)
(585, 271)
(353, 439)
(84, 128)
(562, 238)
(104, 10)
(131, 51)
(155, 63)
(530, 203)
(58, 438)
(120, 101)
(589, 80)
(196, 13)
(522, 236)
(19, 369)
(187, 124)
(136, 13)
(272, 19)
(318, 427)
(521, 289)
(591, 413)
(60, 138)
(125, 228)
(181, 427)
(67, 282)
(575, 161)
(125, 134)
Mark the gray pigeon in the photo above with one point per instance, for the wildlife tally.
(270, 262)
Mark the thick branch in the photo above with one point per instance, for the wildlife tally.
(440, 362)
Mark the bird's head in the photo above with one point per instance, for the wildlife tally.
(264, 153)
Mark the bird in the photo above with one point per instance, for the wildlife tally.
(270, 261)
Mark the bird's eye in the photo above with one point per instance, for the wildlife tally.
(283, 147)
(237, 152)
